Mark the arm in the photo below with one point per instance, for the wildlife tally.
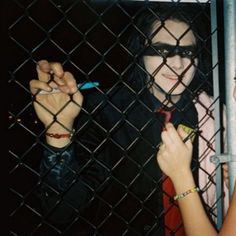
(174, 158)
(67, 184)
(194, 217)
(60, 191)
(229, 226)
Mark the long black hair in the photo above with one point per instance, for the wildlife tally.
(194, 15)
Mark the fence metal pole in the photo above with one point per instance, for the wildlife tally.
(230, 70)
(215, 66)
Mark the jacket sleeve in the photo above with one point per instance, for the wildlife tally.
(58, 167)
(63, 192)
(72, 176)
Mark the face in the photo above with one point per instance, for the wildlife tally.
(171, 64)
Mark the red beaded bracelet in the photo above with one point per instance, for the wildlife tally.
(58, 136)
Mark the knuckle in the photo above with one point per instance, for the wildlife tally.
(69, 78)
(32, 83)
(69, 75)
(55, 65)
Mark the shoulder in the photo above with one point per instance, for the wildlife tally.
(204, 104)
(204, 98)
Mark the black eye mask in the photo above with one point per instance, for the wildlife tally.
(166, 50)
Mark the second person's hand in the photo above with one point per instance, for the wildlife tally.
(174, 156)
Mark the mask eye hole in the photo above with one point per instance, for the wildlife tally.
(157, 51)
(163, 52)
(188, 53)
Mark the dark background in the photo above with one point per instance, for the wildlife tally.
(59, 31)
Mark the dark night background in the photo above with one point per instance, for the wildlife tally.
(40, 30)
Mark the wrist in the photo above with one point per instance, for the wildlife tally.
(181, 175)
(57, 127)
(59, 136)
(183, 180)
(179, 196)
(68, 135)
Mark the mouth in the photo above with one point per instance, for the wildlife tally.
(171, 77)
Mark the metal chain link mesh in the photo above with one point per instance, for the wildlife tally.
(90, 39)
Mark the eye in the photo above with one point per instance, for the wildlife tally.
(188, 53)
(163, 51)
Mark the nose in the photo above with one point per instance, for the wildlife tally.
(176, 62)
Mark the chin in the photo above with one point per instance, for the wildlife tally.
(177, 92)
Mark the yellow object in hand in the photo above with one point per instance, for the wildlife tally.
(191, 132)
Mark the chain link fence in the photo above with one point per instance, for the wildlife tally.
(114, 186)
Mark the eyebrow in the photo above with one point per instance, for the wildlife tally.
(187, 47)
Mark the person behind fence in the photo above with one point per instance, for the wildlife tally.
(99, 169)
(174, 158)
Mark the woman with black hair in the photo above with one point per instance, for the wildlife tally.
(99, 167)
